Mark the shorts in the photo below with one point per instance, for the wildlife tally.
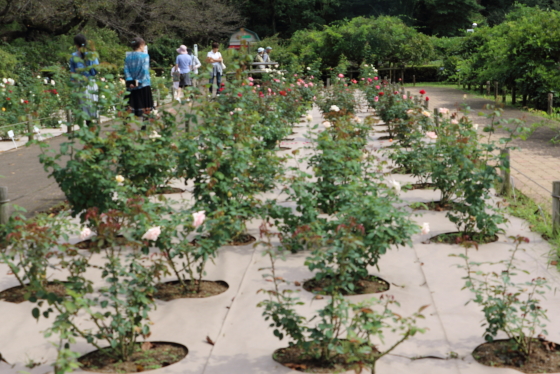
(185, 80)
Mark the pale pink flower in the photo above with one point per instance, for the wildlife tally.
(425, 228)
(314, 98)
(152, 234)
(311, 84)
(306, 85)
(454, 122)
(377, 87)
(341, 75)
(443, 110)
(295, 75)
(198, 218)
(250, 78)
(376, 99)
(86, 232)
(251, 83)
(404, 97)
(431, 135)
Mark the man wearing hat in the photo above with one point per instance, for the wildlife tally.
(259, 56)
(183, 62)
(266, 55)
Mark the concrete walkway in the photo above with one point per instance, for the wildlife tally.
(537, 162)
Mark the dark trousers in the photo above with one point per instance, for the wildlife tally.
(218, 81)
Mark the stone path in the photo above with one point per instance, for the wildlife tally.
(535, 165)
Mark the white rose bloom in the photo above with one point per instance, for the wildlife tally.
(327, 124)
(475, 126)
(4, 80)
(154, 135)
(52, 82)
(334, 108)
(45, 81)
(425, 228)
(308, 68)
(119, 178)
(396, 185)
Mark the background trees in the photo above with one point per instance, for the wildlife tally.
(197, 21)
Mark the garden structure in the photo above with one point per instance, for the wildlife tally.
(373, 240)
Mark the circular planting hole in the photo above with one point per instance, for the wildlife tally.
(242, 239)
(545, 356)
(459, 237)
(147, 356)
(17, 294)
(434, 206)
(168, 190)
(294, 358)
(369, 285)
(176, 290)
(90, 244)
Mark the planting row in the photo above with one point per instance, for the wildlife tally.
(348, 214)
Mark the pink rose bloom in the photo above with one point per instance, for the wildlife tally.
(250, 78)
(431, 135)
(152, 234)
(341, 75)
(298, 83)
(198, 218)
(404, 97)
(312, 77)
(454, 122)
(295, 75)
(314, 98)
(345, 85)
(310, 84)
(250, 83)
(86, 232)
(375, 79)
(369, 80)
(291, 85)
(376, 99)
(231, 113)
(269, 89)
(443, 110)
(377, 87)
(363, 79)
(258, 85)
(306, 85)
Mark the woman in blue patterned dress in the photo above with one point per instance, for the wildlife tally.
(137, 77)
(82, 62)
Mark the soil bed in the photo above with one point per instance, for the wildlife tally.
(400, 170)
(293, 358)
(372, 284)
(89, 243)
(167, 190)
(422, 186)
(17, 294)
(174, 290)
(457, 238)
(243, 239)
(148, 356)
(385, 137)
(436, 207)
(57, 209)
(544, 359)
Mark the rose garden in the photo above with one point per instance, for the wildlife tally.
(283, 226)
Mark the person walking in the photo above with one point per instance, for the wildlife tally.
(215, 58)
(184, 62)
(82, 62)
(137, 77)
(195, 66)
(176, 77)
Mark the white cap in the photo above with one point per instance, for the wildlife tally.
(261, 49)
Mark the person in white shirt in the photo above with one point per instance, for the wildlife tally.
(195, 65)
(266, 56)
(215, 58)
(176, 76)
